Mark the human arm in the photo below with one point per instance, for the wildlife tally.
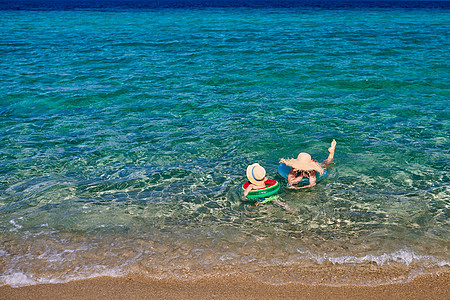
(292, 179)
(247, 190)
(312, 182)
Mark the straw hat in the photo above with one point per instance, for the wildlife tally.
(256, 174)
(303, 163)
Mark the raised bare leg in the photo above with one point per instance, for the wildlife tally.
(331, 153)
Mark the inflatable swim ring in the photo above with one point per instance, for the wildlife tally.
(272, 187)
(284, 171)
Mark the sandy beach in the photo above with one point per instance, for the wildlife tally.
(231, 287)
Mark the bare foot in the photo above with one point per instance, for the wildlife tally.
(333, 146)
(331, 154)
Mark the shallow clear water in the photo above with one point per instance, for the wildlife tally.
(125, 137)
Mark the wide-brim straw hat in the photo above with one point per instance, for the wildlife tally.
(256, 174)
(303, 163)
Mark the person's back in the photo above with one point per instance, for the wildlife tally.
(305, 167)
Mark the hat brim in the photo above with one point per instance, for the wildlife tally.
(303, 166)
(251, 178)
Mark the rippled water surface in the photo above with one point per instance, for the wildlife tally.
(125, 136)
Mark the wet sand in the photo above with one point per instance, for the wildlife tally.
(229, 287)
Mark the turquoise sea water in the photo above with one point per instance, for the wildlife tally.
(125, 136)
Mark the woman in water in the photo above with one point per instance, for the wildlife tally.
(304, 167)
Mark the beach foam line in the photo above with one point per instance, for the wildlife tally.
(20, 279)
(399, 266)
(403, 256)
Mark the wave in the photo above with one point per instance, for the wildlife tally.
(399, 266)
(403, 256)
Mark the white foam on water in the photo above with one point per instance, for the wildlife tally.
(20, 279)
(404, 256)
(15, 224)
(16, 277)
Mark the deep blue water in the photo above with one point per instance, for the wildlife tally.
(125, 136)
(152, 4)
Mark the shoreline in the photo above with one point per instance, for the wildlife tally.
(434, 286)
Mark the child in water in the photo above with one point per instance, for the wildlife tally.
(257, 176)
(304, 167)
